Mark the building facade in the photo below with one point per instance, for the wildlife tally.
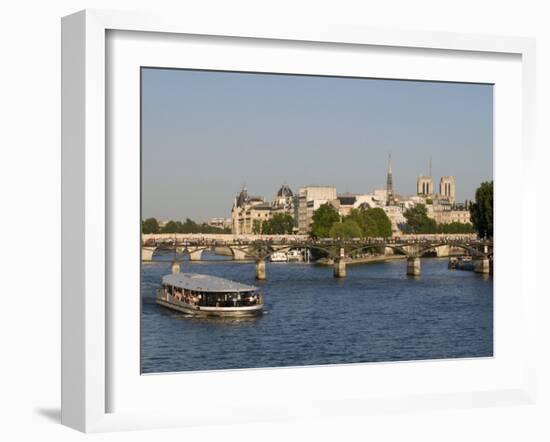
(450, 216)
(283, 201)
(425, 186)
(310, 198)
(220, 223)
(447, 188)
(250, 211)
(245, 210)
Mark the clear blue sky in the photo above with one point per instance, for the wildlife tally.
(205, 134)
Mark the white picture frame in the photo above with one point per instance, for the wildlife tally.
(87, 355)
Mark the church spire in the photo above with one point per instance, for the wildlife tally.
(389, 183)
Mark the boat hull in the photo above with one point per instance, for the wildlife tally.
(211, 311)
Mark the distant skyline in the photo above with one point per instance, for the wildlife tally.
(206, 134)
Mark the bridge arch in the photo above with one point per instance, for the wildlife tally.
(396, 248)
(332, 253)
(465, 247)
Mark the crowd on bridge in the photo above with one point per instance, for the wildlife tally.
(408, 239)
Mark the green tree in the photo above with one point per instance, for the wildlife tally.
(383, 223)
(373, 222)
(455, 227)
(371, 228)
(150, 225)
(418, 221)
(358, 216)
(323, 219)
(481, 211)
(170, 227)
(346, 230)
(189, 226)
(279, 224)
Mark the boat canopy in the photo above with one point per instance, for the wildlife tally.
(205, 283)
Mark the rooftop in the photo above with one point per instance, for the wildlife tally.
(205, 283)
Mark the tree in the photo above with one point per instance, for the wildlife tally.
(346, 230)
(481, 211)
(170, 227)
(189, 226)
(279, 224)
(150, 225)
(371, 228)
(372, 222)
(358, 216)
(383, 223)
(323, 219)
(455, 227)
(418, 221)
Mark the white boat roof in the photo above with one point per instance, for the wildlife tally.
(205, 283)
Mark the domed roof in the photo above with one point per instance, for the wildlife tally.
(284, 191)
(242, 198)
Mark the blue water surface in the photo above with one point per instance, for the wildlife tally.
(375, 314)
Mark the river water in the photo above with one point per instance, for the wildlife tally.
(375, 314)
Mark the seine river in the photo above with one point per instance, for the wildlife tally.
(375, 314)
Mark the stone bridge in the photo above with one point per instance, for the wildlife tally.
(338, 251)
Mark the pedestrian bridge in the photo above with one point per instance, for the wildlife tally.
(260, 249)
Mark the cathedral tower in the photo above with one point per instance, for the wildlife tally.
(389, 184)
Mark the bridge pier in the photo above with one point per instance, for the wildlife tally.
(261, 273)
(147, 253)
(238, 255)
(339, 268)
(482, 265)
(175, 267)
(413, 266)
(195, 253)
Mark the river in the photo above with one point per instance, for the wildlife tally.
(375, 314)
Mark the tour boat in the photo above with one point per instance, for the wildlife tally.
(279, 257)
(295, 255)
(206, 295)
(461, 263)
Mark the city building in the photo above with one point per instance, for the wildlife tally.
(219, 222)
(344, 203)
(245, 210)
(397, 218)
(425, 186)
(310, 198)
(250, 210)
(389, 184)
(450, 216)
(447, 188)
(284, 201)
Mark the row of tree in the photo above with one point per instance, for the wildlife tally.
(419, 222)
(360, 223)
(279, 224)
(151, 225)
